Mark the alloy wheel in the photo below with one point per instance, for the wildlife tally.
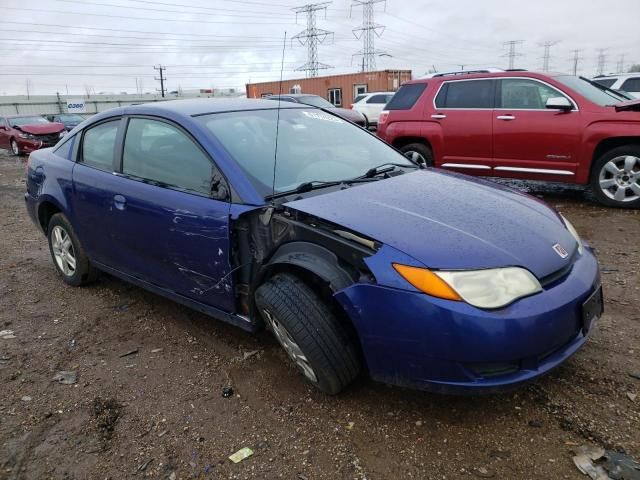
(290, 346)
(620, 178)
(415, 157)
(63, 251)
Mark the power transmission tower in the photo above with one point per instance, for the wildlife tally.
(602, 60)
(512, 54)
(547, 55)
(620, 64)
(368, 31)
(311, 37)
(576, 59)
(162, 78)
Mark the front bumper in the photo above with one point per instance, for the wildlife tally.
(29, 145)
(415, 340)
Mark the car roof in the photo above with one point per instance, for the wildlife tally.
(202, 106)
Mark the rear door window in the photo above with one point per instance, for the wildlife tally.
(466, 94)
(98, 145)
(164, 154)
(406, 97)
(631, 85)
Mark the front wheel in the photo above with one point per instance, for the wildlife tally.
(15, 149)
(418, 153)
(615, 178)
(309, 332)
(68, 255)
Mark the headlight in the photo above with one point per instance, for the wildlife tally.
(62, 133)
(490, 288)
(573, 232)
(25, 135)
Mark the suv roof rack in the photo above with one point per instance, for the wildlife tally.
(462, 72)
(516, 70)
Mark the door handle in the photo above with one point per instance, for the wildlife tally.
(439, 116)
(120, 202)
(506, 118)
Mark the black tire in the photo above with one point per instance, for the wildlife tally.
(14, 148)
(423, 153)
(625, 182)
(83, 272)
(310, 323)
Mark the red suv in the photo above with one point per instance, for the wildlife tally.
(521, 124)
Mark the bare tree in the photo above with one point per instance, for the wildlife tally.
(635, 68)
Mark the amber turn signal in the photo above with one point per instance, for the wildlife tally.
(426, 281)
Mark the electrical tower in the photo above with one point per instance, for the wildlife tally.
(162, 78)
(368, 31)
(512, 54)
(576, 59)
(620, 64)
(311, 37)
(602, 60)
(547, 55)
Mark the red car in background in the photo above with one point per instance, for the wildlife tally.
(24, 134)
(521, 124)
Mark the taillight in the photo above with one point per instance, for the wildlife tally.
(351, 106)
(382, 119)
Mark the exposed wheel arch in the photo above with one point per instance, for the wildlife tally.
(46, 210)
(403, 141)
(609, 144)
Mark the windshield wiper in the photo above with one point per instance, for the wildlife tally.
(385, 168)
(315, 185)
(610, 91)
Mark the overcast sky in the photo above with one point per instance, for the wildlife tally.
(109, 45)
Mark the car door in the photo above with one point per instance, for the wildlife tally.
(530, 139)
(171, 214)
(463, 109)
(373, 106)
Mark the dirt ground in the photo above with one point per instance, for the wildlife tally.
(158, 412)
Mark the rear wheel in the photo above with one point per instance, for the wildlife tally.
(615, 178)
(419, 153)
(68, 255)
(309, 332)
(15, 149)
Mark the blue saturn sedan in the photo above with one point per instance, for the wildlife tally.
(357, 259)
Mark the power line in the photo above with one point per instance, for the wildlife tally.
(367, 32)
(620, 64)
(162, 78)
(512, 54)
(576, 58)
(547, 55)
(311, 36)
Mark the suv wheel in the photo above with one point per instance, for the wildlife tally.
(615, 178)
(418, 153)
(15, 149)
(68, 255)
(309, 332)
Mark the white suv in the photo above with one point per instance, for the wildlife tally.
(627, 82)
(371, 104)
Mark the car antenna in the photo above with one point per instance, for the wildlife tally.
(275, 153)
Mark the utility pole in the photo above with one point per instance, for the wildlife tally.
(576, 59)
(367, 32)
(162, 78)
(620, 64)
(311, 36)
(602, 60)
(512, 54)
(27, 84)
(547, 55)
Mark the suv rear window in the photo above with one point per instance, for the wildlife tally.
(406, 97)
(466, 94)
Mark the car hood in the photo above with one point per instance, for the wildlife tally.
(628, 105)
(450, 221)
(41, 128)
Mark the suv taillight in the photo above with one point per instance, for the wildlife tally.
(382, 119)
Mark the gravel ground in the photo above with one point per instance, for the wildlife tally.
(158, 412)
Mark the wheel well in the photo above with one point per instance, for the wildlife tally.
(322, 288)
(402, 141)
(45, 212)
(610, 143)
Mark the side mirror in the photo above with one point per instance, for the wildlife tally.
(559, 103)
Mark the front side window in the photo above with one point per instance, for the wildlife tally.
(164, 154)
(98, 145)
(631, 85)
(335, 96)
(466, 94)
(312, 146)
(526, 94)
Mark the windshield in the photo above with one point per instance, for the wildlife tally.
(316, 101)
(587, 89)
(19, 121)
(71, 118)
(312, 146)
